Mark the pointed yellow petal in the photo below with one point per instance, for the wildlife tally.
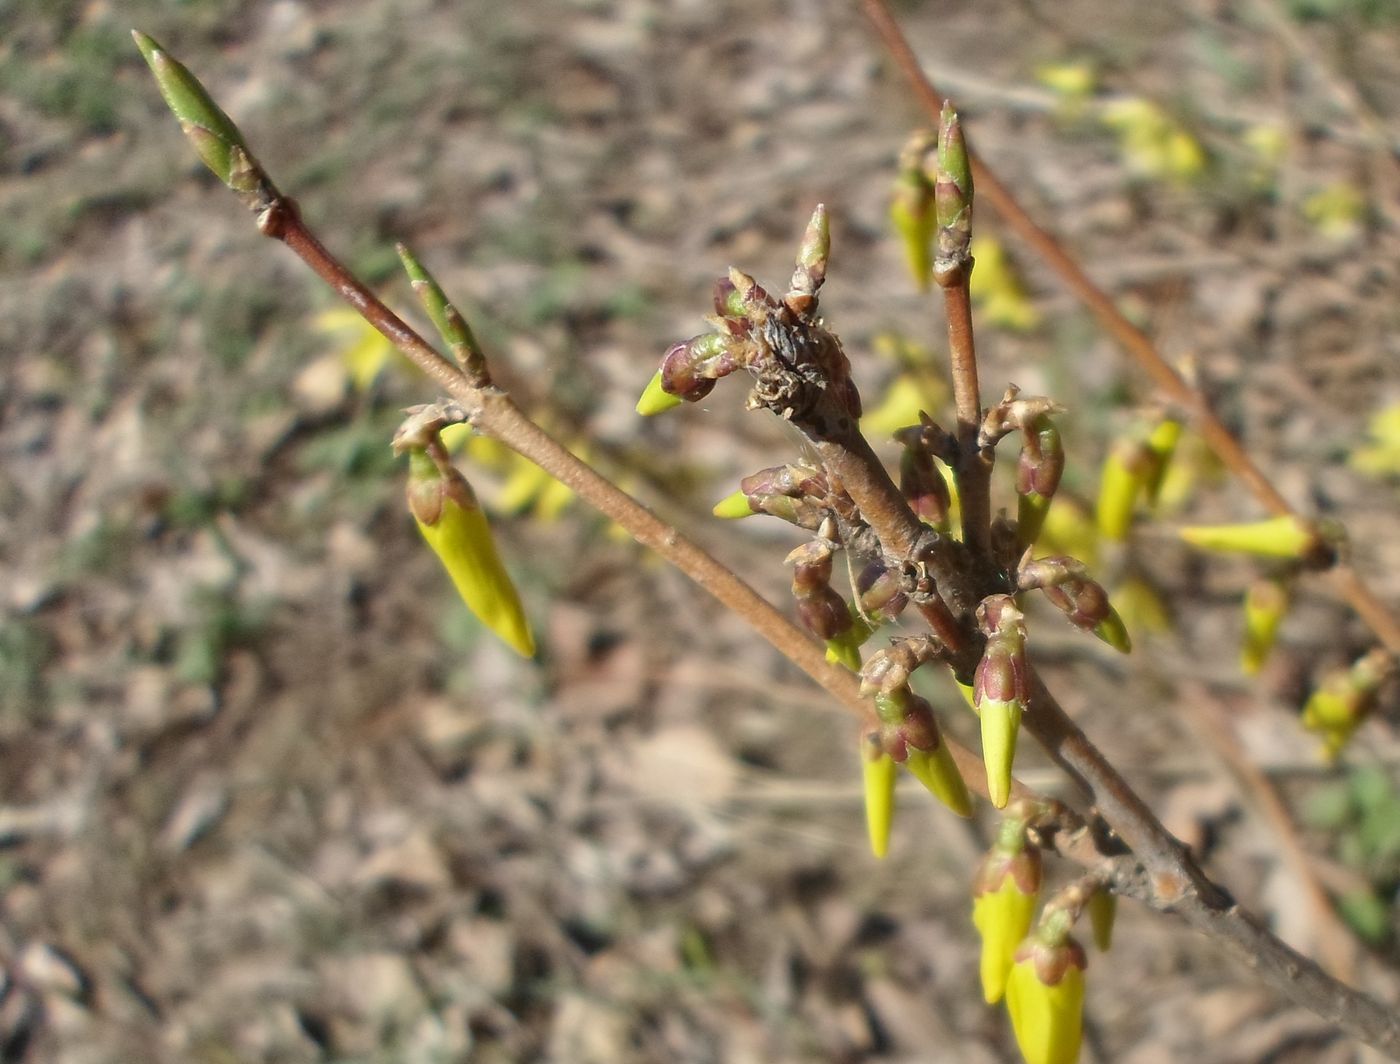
(1265, 604)
(1048, 1020)
(461, 538)
(938, 772)
(1276, 537)
(655, 399)
(1003, 918)
(1001, 721)
(733, 507)
(880, 776)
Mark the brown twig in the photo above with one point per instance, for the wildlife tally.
(1345, 580)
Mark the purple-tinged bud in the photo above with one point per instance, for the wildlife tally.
(1049, 571)
(890, 669)
(1039, 467)
(790, 480)
(811, 264)
(1001, 690)
(921, 483)
(1004, 893)
(728, 302)
(1045, 994)
(881, 591)
(679, 375)
(1084, 602)
(820, 609)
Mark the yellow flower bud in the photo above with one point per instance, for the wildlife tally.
(1004, 893)
(1001, 722)
(1045, 997)
(732, 507)
(655, 399)
(938, 772)
(880, 777)
(450, 519)
(1265, 604)
(1276, 537)
(1125, 473)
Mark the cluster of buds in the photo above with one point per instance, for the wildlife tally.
(1345, 698)
(781, 342)
(907, 735)
(1000, 690)
(1005, 889)
(1066, 583)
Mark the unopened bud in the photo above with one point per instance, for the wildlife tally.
(690, 368)
(1265, 603)
(1004, 894)
(1038, 470)
(880, 775)
(1126, 471)
(921, 483)
(1345, 698)
(1000, 691)
(1103, 913)
(1276, 537)
(656, 399)
(952, 200)
(939, 774)
(1045, 997)
(216, 139)
(811, 264)
(911, 208)
(451, 520)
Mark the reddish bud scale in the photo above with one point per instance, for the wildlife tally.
(791, 480)
(1084, 602)
(823, 612)
(1041, 462)
(906, 720)
(1048, 572)
(1002, 672)
(882, 596)
(923, 486)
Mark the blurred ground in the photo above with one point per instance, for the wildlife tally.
(267, 793)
